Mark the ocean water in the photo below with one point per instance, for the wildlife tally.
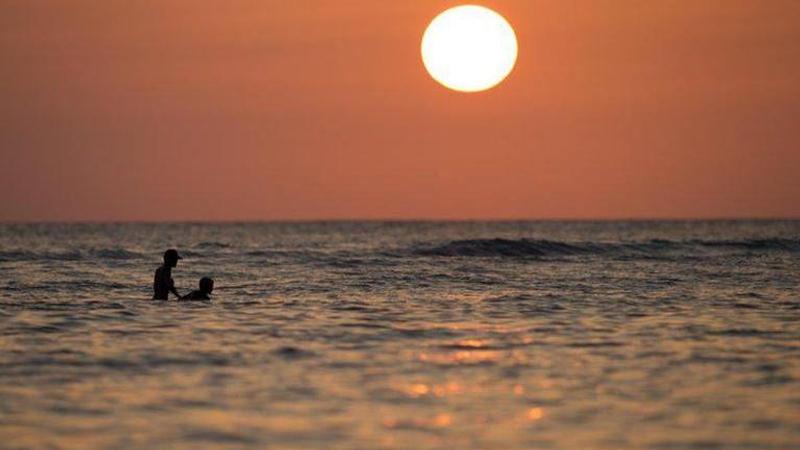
(372, 335)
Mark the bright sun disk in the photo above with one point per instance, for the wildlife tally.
(469, 48)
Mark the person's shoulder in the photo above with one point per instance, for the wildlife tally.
(196, 295)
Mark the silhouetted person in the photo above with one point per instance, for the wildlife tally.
(163, 283)
(206, 286)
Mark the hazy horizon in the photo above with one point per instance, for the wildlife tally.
(402, 220)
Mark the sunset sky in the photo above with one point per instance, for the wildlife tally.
(293, 110)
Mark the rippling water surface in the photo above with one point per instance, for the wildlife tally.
(657, 335)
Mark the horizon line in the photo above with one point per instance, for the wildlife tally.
(398, 220)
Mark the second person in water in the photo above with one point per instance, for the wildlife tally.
(206, 286)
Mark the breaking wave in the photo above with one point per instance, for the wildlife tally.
(526, 248)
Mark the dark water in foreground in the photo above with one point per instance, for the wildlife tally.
(652, 335)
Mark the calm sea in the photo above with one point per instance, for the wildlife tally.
(372, 335)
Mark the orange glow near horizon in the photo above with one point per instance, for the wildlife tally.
(273, 110)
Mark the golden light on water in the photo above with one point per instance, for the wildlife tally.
(417, 390)
(535, 414)
(466, 357)
(472, 343)
(436, 390)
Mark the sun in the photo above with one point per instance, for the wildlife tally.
(469, 48)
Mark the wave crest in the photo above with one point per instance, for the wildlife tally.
(501, 247)
(527, 248)
(69, 255)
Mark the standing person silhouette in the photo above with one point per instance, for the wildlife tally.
(162, 282)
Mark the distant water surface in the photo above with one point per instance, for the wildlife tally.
(371, 335)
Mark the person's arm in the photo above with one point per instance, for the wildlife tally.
(172, 288)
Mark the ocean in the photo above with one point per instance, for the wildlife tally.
(403, 335)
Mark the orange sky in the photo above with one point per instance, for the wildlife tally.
(274, 109)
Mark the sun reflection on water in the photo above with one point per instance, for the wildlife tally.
(437, 390)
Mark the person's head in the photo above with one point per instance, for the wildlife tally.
(206, 285)
(171, 257)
